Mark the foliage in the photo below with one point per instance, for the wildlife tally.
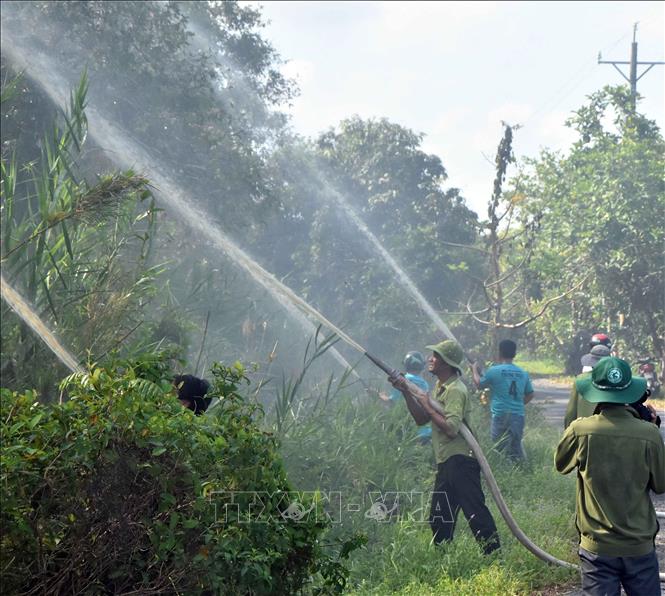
(207, 112)
(377, 171)
(398, 191)
(288, 404)
(121, 490)
(79, 251)
(505, 299)
(600, 203)
(198, 88)
(193, 81)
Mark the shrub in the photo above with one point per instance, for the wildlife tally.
(110, 492)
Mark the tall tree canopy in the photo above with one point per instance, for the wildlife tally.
(379, 170)
(602, 205)
(194, 83)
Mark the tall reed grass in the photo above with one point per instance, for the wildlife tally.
(79, 250)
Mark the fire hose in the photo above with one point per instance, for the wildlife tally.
(489, 477)
(391, 372)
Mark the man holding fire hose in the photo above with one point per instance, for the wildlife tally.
(457, 484)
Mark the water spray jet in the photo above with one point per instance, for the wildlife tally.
(20, 306)
(127, 153)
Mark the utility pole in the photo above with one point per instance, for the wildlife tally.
(633, 78)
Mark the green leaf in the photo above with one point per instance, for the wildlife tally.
(35, 420)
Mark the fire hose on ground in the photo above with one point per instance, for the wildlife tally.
(491, 481)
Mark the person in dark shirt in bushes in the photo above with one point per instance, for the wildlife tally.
(619, 458)
(191, 393)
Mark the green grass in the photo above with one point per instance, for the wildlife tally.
(541, 367)
(545, 369)
(356, 446)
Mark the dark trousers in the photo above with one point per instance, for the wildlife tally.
(604, 576)
(457, 486)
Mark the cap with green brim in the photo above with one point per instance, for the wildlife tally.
(450, 352)
(611, 381)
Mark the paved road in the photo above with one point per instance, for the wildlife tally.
(554, 400)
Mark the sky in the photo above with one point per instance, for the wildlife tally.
(454, 70)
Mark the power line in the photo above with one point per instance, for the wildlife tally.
(632, 78)
(569, 86)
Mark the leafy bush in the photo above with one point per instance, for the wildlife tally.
(114, 492)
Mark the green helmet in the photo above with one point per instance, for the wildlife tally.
(414, 362)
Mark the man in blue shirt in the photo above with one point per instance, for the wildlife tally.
(510, 388)
(414, 364)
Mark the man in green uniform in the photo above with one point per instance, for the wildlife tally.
(457, 485)
(577, 407)
(619, 459)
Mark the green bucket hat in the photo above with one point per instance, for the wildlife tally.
(450, 352)
(611, 381)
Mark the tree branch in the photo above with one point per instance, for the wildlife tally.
(464, 246)
(513, 270)
(543, 309)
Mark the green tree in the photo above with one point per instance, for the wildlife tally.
(602, 204)
(198, 87)
(195, 83)
(505, 299)
(379, 169)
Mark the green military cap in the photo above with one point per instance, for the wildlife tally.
(611, 381)
(450, 352)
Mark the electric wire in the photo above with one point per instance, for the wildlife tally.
(574, 82)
